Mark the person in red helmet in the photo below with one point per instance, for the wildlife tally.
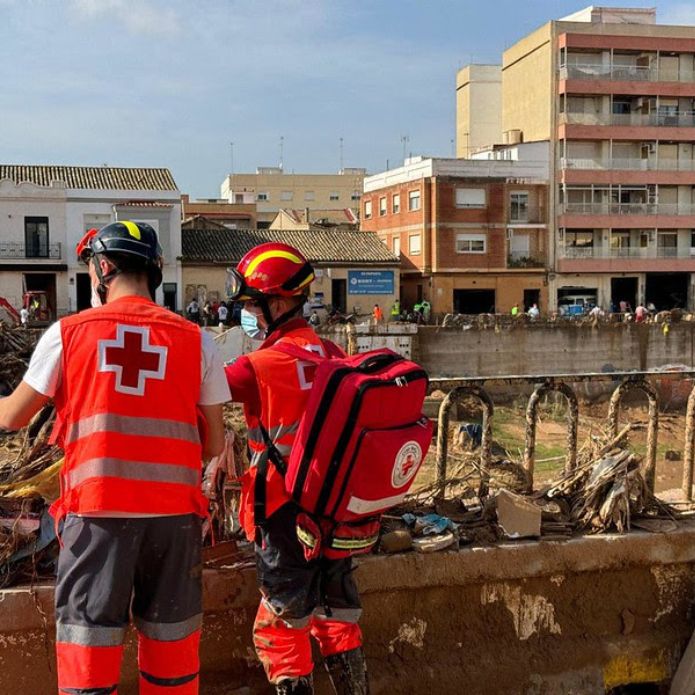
(134, 385)
(300, 598)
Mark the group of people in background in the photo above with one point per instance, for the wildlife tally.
(215, 313)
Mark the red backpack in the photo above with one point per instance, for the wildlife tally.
(359, 445)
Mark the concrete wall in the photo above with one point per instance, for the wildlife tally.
(553, 349)
(478, 107)
(578, 616)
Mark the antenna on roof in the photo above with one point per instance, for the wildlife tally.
(341, 154)
(282, 150)
(231, 157)
(405, 139)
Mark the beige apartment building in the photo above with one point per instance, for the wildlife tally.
(272, 189)
(613, 92)
(478, 108)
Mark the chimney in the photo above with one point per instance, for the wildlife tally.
(306, 214)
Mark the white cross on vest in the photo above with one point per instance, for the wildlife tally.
(132, 358)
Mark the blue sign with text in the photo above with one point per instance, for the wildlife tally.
(370, 281)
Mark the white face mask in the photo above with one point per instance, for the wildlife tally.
(96, 299)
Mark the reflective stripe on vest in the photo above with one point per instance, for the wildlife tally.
(132, 470)
(137, 426)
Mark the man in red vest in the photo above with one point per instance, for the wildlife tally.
(300, 597)
(134, 386)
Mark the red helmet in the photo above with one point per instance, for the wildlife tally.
(271, 269)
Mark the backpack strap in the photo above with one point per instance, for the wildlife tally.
(301, 353)
(271, 454)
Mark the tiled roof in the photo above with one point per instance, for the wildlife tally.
(227, 246)
(342, 216)
(98, 178)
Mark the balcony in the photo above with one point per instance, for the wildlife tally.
(627, 209)
(524, 259)
(627, 252)
(623, 73)
(633, 164)
(683, 119)
(15, 251)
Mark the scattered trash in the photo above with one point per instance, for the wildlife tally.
(431, 544)
(429, 524)
(518, 516)
(396, 541)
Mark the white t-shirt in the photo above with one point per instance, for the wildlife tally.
(45, 368)
(222, 312)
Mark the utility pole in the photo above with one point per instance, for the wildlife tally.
(341, 154)
(282, 150)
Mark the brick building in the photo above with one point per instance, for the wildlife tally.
(471, 235)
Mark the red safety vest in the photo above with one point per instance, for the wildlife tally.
(284, 384)
(127, 411)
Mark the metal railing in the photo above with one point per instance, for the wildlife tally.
(625, 252)
(630, 163)
(462, 388)
(683, 119)
(625, 73)
(12, 250)
(627, 209)
(524, 259)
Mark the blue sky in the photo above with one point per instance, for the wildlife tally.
(172, 83)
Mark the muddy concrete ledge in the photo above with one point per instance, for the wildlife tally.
(579, 616)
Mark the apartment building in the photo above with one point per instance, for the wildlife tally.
(478, 108)
(45, 210)
(613, 93)
(272, 189)
(471, 234)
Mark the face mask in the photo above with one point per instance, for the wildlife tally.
(96, 299)
(249, 324)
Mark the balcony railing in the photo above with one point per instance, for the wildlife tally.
(683, 119)
(14, 251)
(629, 164)
(626, 252)
(524, 259)
(627, 209)
(625, 73)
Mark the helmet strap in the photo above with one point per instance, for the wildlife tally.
(104, 280)
(273, 325)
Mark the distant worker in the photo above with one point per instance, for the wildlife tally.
(640, 313)
(131, 381)
(515, 310)
(301, 597)
(396, 311)
(193, 311)
(426, 309)
(377, 315)
(314, 319)
(534, 313)
(222, 314)
(24, 317)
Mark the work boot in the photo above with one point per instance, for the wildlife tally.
(296, 686)
(348, 672)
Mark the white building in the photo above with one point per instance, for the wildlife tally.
(45, 210)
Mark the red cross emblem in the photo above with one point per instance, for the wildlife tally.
(132, 358)
(407, 465)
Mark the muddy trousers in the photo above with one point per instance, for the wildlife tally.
(301, 600)
(109, 567)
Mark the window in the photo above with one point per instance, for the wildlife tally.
(470, 197)
(309, 195)
(94, 221)
(396, 203)
(518, 207)
(286, 195)
(36, 237)
(356, 195)
(382, 206)
(414, 246)
(334, 196)
(413, 200)
(471, 243)
(579, 239)
(238, 198)
(263, 196)
(396, 246)
(367, 209)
